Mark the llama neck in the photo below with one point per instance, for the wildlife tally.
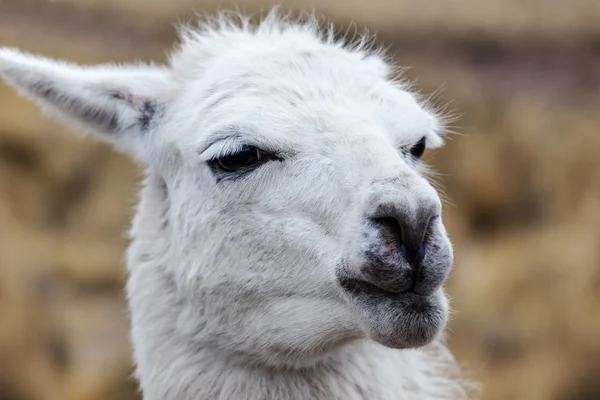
(361, 370)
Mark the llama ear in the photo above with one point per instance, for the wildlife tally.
(117, 103)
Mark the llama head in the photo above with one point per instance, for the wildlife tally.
(297, 214)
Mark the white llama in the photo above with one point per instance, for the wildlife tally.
(286, 245)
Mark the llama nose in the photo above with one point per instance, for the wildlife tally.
(405, 223)
(398, 245)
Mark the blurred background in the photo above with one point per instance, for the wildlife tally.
(522, 183)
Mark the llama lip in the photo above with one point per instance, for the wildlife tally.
(397, 320)
(359, 287)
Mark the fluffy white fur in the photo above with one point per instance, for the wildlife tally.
(250, 286)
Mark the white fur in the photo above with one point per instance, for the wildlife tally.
(234, 283)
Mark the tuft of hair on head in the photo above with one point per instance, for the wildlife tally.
(213, 34)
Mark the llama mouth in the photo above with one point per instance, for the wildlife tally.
(358, 287)
(414, 302)
(397, 320)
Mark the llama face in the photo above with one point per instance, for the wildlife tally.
(299, 199)
(297, 217)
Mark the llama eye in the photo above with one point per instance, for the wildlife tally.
(418, 149)
(247, 157)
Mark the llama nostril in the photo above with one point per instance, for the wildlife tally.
(407, 232)
(390, 227)
(413, 256)
(409, 241)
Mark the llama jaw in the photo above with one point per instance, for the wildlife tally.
(397, 320)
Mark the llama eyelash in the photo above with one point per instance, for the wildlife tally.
(232, 144)
(221, 148)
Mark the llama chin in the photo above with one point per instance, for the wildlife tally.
(286, 244)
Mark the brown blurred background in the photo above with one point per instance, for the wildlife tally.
(522, 183)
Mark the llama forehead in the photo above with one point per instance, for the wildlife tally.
(318, 69)
(272, 84)
(316, 125)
